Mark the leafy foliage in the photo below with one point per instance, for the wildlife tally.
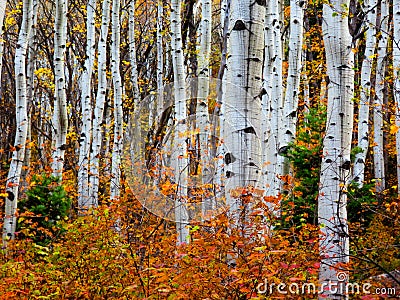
(142, 261)
(305, 157)
(42, 210)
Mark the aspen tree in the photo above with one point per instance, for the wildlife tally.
(396, 68)
(202, 117)
(86, 109)
(132, 53)
(3, 5)
(272, 97)
(180, 159)
(31, 64)
(60, 119)
(118, 113)
(294, 74)
(243, 111)
(378, 112)
(335, 167)
(160, 52)
(99, 104)
(13, 178)
(365, 95)
(219, 111)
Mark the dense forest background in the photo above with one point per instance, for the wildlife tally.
(199, 149)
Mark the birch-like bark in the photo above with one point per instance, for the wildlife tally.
(180, 161)
(132, 53)
(160, 55)
(306, 86)
(204, 51)
(335, 168)
(157, 109)
(60, 119)
(378, 112)
(243, 112)
(118, 113)
(30, 89)
(3, 5)
(13, 178)
(273, 98)
(294, 73)
(202, 118)
(396, 70)
(365, 100)
(86, 110)
(95, 154)
(218, 146)
(160, 65)
(268, 172)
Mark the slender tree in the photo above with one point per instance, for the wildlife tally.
(218, 147)
(294, 74)
(243, 111)
(365, 95)
(272, 98)
(132, 53)
(180, 159)
(160, 52)
(60, 119)
(31, 64)
(86, 109)
(3, 5)
(202, 118)
(379, 164)
(118, 113)
(99, 105)
(396, 68)
(13, 178)
(335, 168)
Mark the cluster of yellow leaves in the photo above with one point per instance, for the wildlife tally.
(45, 78)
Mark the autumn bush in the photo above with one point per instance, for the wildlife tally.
(42, 208)
(122, 251)
(94, 260)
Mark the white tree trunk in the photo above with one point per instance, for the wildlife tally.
(132, 53)
(219, 111)
(118, 113)
(204, 51)
(273, 98)
(30, 89)
(13, 178)
(365, 100)
(379, 164)
(332, 201)
(243, 113)
(95, 154)
(86, 130)
(396, 69)
(2, 14)
(180, 159)
(294, 73)
(3, 5)
(60, 119)
(202, 118)
(160, 55)
(306, 85)
(268, 169)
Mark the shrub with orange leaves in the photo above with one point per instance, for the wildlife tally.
(123, 251)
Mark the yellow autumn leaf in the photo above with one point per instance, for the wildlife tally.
(393, 129)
